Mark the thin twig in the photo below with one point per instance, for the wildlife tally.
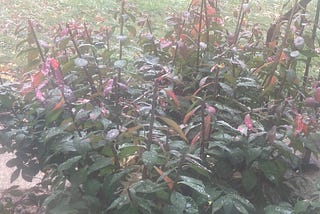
(89, 78)
(36, 40)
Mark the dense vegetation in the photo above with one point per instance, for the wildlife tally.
(199, 117)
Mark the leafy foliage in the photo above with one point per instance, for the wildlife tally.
(200, 121)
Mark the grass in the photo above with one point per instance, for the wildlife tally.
(15, 13)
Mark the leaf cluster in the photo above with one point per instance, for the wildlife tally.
(201, 120)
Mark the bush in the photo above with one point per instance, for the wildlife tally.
(199, 121)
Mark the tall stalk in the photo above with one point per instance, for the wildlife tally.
(93, 52)
(202, 131)
(152, 120)
(36, 40)
(85, 69)
(283, 44)
(199, 33)
(313, 37)
(307, 154)
(152, 113)
(180, 30)
(239, 22)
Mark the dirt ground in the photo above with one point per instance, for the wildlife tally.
(5, 174)
(25, 201)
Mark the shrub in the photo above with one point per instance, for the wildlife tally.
(199, 121)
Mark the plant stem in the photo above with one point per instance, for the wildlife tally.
(207, 24)
(93, 52)
(121, 29)
(36, 40)
(152, 113)
(202, 137)
(150, 31)
(115, 155)
(174, 58)
(239, 23)
(313, 37)
(307, 154)
(268, 79)
(89, 78)
(199, 34)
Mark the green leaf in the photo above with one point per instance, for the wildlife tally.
(301, 206)
(178, 201)
(15, 191)
(12, 162)
(127, 150)
(240, 207)
(252, 154)
(195, 184)
(80, 62)
(63, 209)
(27, 51)
(100, 163)
(91, 187)
(246, 82)
(82, 115)
(132, 30)
(120, 64)
(170, 209)
(150, 158)
(249, 180)
(226, 125)
(191, 206)
(15, 175)
(227, 88)
(146, 186)
(29, 172)
(68, 164)
(53, 115)
(63, 42)
(218, 204)
(119, 202)
(172, 124)
(112, 134)
(282, 208)
(53, 132)
(273, 170)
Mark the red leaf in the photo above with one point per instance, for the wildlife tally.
(283, 57)
(248, 122)
(210, 10)
(36, 79)
(317, 94)
(207, 127)
(172, 95)
(54, 64)
(298, 123)
(164, 43)
(194, 2)
(166, 178)
(195, 139)
(59, 104)
(39, 95)
(189, 114)
(211, 109)
(108, 87)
